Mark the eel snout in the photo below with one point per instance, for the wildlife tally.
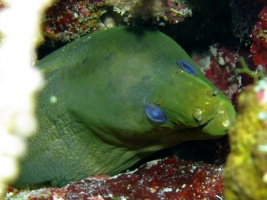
(222, 120)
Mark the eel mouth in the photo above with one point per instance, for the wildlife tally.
(222, 121)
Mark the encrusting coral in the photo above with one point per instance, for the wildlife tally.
(69, 19)
(245, 175)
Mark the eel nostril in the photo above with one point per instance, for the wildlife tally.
(212, 93)
(215, 92)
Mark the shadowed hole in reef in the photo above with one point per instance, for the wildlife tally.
(211, 22)
(207, 151)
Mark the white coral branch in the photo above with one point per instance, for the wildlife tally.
(20, 28)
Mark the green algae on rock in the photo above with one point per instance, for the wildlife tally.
(245, 174)
(114, 97)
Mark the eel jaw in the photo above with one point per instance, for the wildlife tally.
(222, 121)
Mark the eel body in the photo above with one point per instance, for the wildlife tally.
(114, 97)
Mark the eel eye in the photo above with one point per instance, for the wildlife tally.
(155, 114)
(187, 66)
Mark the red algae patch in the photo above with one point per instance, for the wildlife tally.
(259, 40)
(169, 178)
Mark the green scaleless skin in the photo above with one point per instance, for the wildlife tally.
(91, 112)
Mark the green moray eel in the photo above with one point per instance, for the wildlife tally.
(114, 97)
